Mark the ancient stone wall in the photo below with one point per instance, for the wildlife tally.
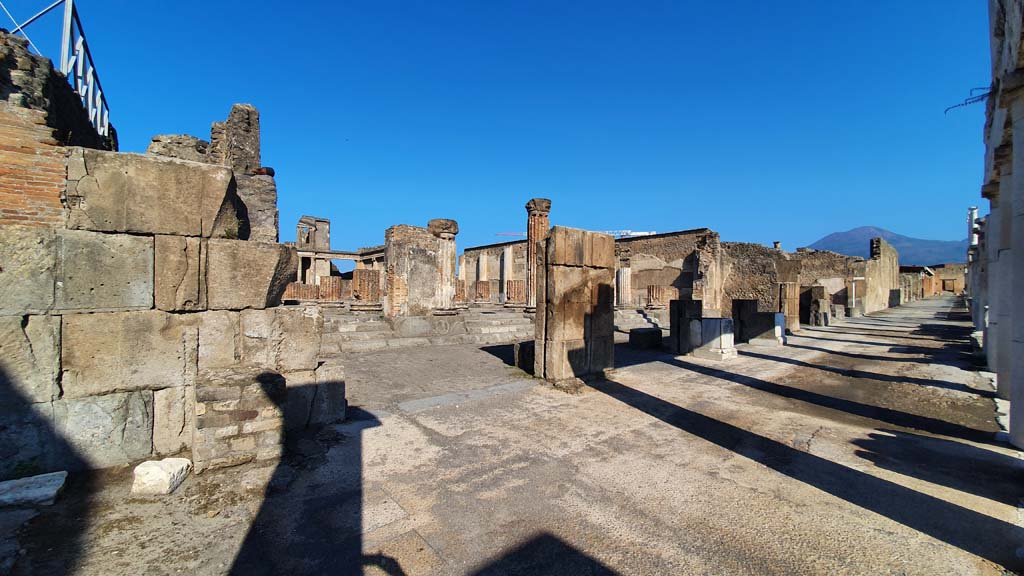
(235, 144)
(950, 278)
(497, 264)
(413, 276)
(750, 272)
(39, 114)
(882, 277)
(676, 259)
(828, 269)
(116, 329)
(575, 309)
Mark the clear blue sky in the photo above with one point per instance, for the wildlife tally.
(762, 120)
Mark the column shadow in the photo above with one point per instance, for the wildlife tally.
(957, 465)
(545, 554)
(311, 520)
(887, 415)
(854, 373)
(975, 533)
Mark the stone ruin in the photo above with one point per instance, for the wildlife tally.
(150, 310)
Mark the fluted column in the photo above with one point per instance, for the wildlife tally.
(537, 225)
(624, 287)
(445, 230)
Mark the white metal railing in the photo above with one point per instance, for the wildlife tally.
(76, 63)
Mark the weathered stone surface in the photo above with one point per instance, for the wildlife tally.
(296, 337)
(146, 194)
(259, 194)
(39, 490)
(28, 441)
(239, 416)
(30, 357)
(575, 307)
(172, 420)
(138, 350)
(110, 429)
(28, 260)
(179, 280)
(717, 334)
(102, 272)
(236, 141)
(302, 392)
(256, 338)
(42, 270)
(330, 404)
(219, 339)
(159, 477)
(243, 275)
(181, 146)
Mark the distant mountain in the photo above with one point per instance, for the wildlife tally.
(913, 251)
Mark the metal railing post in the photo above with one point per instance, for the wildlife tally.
(65, 39)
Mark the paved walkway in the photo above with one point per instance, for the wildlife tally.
(862, 448)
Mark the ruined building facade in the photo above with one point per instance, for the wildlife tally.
(997, 249)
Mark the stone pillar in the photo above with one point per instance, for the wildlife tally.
(445, 230)
(1013, 368)
(789, 302)
(575, 310)
(624, 287)
(537, 224)
(506, 270)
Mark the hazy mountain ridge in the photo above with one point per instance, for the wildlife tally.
(913, 251)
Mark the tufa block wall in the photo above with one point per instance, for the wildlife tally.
(575, 306)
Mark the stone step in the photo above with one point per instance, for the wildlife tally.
(362, 327)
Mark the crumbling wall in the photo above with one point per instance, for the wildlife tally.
(234, 143)
(750, 272)
(496, 264)
(882, 277)
(829, 269)
(686, 261)
(413, 276)
(39, 115)
(114, 329)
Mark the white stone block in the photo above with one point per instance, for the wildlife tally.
(157, 477)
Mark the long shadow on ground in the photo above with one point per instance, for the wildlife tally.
(970, 531)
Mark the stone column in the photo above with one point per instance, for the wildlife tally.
(789, 302)
(506, 271)
(445, 230)
(624, 287)
(1014, 365)
(537, 225)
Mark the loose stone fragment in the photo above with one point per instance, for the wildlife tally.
(158, 477)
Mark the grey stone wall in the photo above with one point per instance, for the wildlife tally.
(114, 329)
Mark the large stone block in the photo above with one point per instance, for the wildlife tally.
(28, 260)
(173, 413)
(259, 194)
(108, 430)
(219, 339)
(330, 403)
(116, 192)
(296, 337)
(28, 441)
(256, 337)
(121, 351)
(180, 284)
(103, 272)
(180, 146)
(29, 358)
(243, 275)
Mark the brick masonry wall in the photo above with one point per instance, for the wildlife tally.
(32, 169)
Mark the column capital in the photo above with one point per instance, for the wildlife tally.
(443, 228)
(538, 206)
